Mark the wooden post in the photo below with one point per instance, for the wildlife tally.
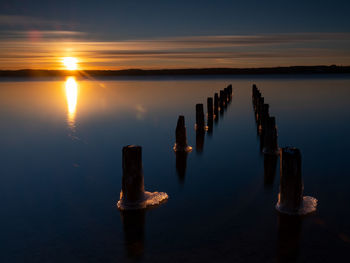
(210, 115)
(291, 186)
(133, 194)
(180, 136)
(216, 105)
(270, 137)
(200, 117)
(210, 106)
(132, 181)
(263, 115)
(222, 101)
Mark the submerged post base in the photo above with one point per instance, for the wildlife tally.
(309, 205)
(148, 199)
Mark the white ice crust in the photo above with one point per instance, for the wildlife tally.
(309, 205)
(149, 199)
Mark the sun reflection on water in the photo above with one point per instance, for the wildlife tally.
(72, 98)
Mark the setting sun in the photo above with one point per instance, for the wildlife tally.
(70, 63)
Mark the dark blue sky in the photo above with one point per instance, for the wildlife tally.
(124, 19)
(108, 21)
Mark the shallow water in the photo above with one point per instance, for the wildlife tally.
(60, 175)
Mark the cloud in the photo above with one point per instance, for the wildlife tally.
(29, 21)
(46, 47)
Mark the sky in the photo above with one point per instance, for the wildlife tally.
(173, 34)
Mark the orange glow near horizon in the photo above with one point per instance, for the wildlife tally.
(70, 63)
(72, 98)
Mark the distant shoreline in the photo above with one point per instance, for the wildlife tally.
(177, 72)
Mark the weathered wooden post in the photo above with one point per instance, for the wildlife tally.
(226, 94)
(290, 198)
(258, 108)
(210, 106)
(291, 184)
(180, 136)
(229, 88)
(132, 181)
(222, 101)
(133, 194)
(210, 115)
(262, 118)
(200, 125)
(216, 105)
(270, 137)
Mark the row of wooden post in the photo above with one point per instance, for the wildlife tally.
(290, 198)
(266, 124)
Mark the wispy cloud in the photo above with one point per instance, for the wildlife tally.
(20, 49)
(29, 21)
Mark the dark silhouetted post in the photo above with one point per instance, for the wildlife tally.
(230, 90)
(291, 185)
(132, 181)
(200, 117)
(270, 137)
(258, 108)
(210, 115)
(133, 194)
(262, 118)
(210, 106)
(290, 198)
(180, 136)
(222, 101)
(216, 105)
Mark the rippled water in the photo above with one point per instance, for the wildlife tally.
(60, 174)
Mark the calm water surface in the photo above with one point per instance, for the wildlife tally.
(60, 172)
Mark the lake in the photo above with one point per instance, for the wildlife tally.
(60, 175)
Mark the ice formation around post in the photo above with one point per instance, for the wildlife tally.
(290, 198)
(309, 205)
(181, 137)
(148, 199)
(133, 194)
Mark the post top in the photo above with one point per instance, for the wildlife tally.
(131, 147)
(290, 150)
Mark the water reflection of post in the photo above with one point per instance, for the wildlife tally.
(200, 140)
(134, 230)
(181, 164)
(270, 163)
(289, 230)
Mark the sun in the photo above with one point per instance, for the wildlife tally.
(70, 63)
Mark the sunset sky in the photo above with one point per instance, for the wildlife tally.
(173, 34)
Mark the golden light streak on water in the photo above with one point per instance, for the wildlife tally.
(72, 98)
